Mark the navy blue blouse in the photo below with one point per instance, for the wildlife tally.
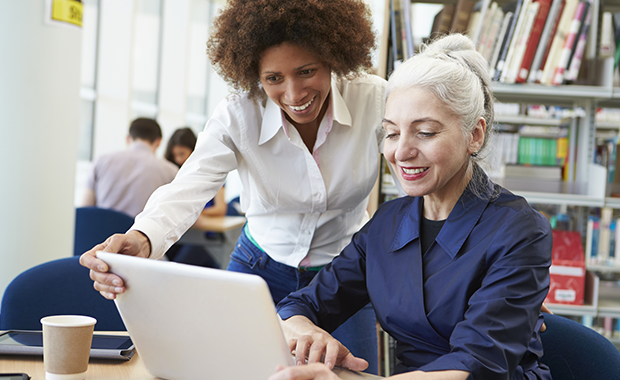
(471, 303)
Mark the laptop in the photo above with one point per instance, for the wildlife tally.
(189, 322)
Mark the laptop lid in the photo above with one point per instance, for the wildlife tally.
(190, 322)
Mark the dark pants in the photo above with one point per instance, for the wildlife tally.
(358, 333)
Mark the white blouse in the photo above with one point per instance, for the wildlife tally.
(299, 205)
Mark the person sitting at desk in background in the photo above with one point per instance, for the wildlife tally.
(458, 270)
(304, 136)
(123, 181)
(180, 146)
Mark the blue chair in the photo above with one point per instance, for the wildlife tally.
(575, 352)
(93, 225)
(234, 207)
(56, 287)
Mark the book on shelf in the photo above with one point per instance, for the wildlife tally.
(486, 35)
(607, 46)
(522, 39)
(533, 42)
(497, 71)
(571, 42)
(574, 65)
(462, 13)
(514, 39)
(592, 234)
(441, 22)
(405, 28)
(545, 39)
(395, 31)
(604, 237)
(541, 69)
(555, 52)
(500, 41)
(484, 8)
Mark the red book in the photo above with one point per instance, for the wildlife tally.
(530, 50)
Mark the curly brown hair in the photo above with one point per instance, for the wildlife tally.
(338, 32)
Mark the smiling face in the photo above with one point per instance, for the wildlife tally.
(297, 81)
(426, 147)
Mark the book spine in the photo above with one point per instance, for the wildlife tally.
(558, 41)
(617, 247)
(494, 30)
(589, 235)
(533, 42)
(507, 41)
(569, 44)
(575, 63)
(522, 42)
(500, 42)
(514, 39)
(485, 33)
(556, 23)
(462, 14)
(483, 12)
(406, 8)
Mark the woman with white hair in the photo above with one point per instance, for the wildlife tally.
(456, 271)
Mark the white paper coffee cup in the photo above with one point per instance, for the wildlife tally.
(66, 346)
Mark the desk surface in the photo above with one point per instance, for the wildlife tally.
(101, 369)
(218, 223)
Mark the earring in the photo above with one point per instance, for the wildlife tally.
(474, 154)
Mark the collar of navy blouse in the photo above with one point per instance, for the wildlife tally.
(272, 117)
(459, 225)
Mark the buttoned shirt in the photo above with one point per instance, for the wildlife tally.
(298, 204)
(124, 181)
(470, 303)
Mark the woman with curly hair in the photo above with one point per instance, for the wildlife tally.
(303, 130)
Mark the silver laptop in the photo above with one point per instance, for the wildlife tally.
(190, 322)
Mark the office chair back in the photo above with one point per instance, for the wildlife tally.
(575, 352)
(93, 225)
(57, 287)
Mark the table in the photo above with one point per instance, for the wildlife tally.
(218, 223)
(100, 369)
(220, 249)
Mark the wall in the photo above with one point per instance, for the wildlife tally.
(39, 103)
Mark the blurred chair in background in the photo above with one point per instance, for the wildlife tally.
(93, 225)
(56, 287)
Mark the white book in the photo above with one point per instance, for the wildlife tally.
(485, 4)
(494, 30)
(607, 48)
(524, 36)
(513, 42)
(486, 27)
